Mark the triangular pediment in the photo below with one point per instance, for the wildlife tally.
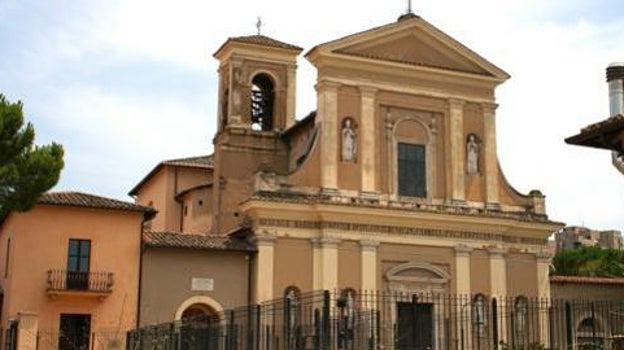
(413, 42)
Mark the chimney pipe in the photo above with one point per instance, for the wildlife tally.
(615, 79)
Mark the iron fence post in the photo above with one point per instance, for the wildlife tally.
(326, 319)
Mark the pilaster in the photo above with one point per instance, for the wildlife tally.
(498, 284)
(291, 95)
(367, 132)
(369, 264)
(462, 269)
(265, 267)
(327, 116)
(390, 156)
(27, 330)
(490, 160)
(463, 291)
(457, 149)
(325, 264)
(543, 291)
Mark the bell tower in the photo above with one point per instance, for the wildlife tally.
(257, 78)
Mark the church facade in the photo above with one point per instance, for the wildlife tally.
(392, 184)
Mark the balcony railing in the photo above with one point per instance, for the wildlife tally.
(69, 281)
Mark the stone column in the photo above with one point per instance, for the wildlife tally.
(27, 329)
(457, 150)
(368, 145)
(327, 116)
(291, 95)
(264, 267)
(325, 264)
(543, 293)
(498, 286)
(368, 265)
(489, 158)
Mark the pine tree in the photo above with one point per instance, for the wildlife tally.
(26, 170)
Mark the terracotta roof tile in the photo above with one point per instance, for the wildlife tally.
(612, 120)
(79, 199)
(195, 241)
(264, 41)
(586, 280)
(198, 162)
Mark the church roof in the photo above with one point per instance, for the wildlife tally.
(86, 200)
(206, 161)
(258, 40)
(264, 41)
(195, 241)
(415, 32)
(202, 162)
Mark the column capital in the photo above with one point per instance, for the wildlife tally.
(456, 102)
(327, 85)
(543, 256)
(369, 245)
(489, 107)
(463, 250)
(264, 238)
(368, 90)
(497, 252)
(325, 242)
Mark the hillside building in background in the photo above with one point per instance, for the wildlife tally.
(571, 237)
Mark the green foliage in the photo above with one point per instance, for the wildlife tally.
(26, 171)
(589, 261)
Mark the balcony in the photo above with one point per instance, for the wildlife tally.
(62, 282)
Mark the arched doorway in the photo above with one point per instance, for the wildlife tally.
(198, 310)
(199, 319)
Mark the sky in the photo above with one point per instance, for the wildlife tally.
(126, 84)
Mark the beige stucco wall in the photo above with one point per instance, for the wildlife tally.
(197, 210)
(158, 193)
(166, 286)
(521, 270)
(350, 265)
(587, 291)
(479, 271)
(292, 265)
(39, 242)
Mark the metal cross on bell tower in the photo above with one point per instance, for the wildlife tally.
(409, 6)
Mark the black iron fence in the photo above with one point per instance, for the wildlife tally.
(378, 320)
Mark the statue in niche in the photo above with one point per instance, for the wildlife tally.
(472, 155)
(349, 141)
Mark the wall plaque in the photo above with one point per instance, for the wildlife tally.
(202, 284)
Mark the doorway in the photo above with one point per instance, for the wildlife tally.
(74, 332)
(414, 326)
